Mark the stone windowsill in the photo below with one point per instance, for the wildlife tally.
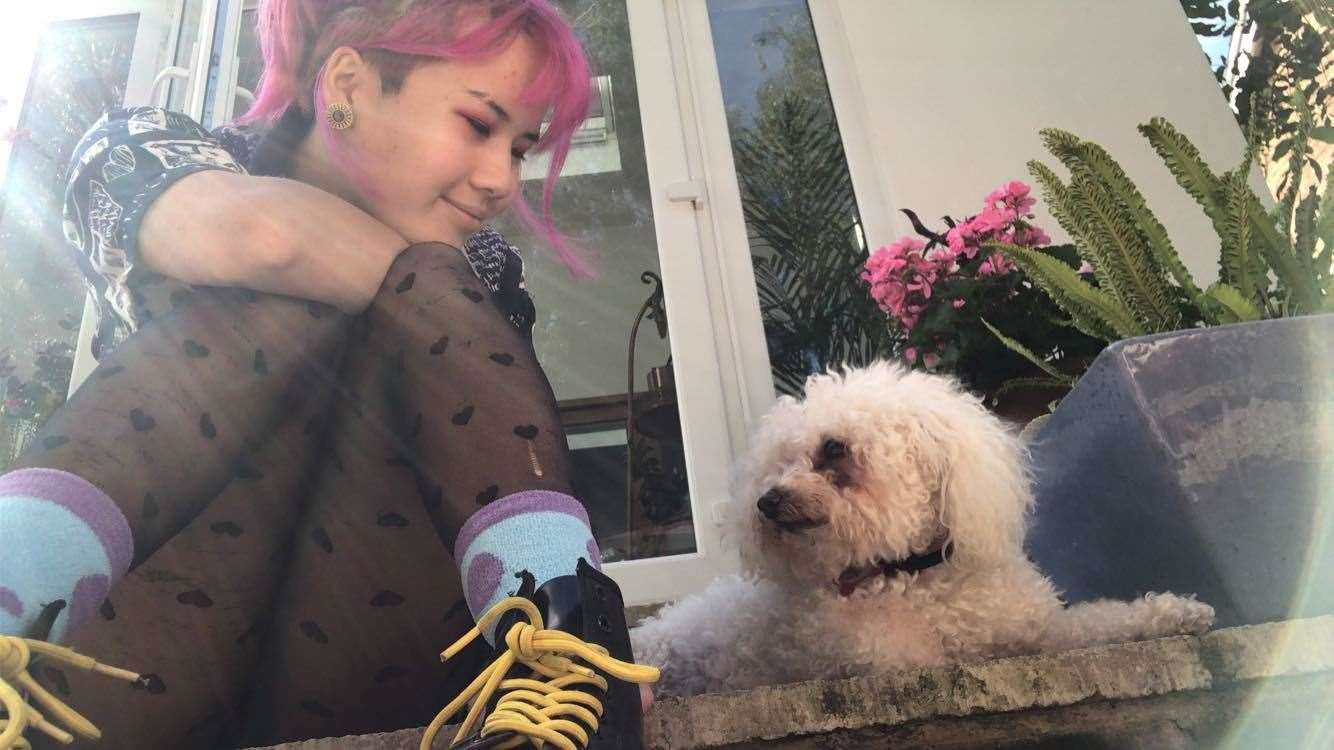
(1262, 685)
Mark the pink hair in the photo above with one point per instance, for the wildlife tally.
(296, 36)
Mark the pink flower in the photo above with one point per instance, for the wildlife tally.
(963, 240)
(994, 219)
(995, 265)
(958, 304)
(1084, 267)
(910, 355)
(1014, 196)
(901, 279)
(930, 360)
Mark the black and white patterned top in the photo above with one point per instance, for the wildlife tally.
(131, 156)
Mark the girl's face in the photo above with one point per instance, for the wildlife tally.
(441, 157)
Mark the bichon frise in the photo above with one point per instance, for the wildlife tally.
(885, 530)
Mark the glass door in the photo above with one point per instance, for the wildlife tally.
(63, 65)
(649, 434)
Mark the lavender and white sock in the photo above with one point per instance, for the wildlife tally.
(61, 539)
(542, 532)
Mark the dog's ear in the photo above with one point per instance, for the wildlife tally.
(985, 492)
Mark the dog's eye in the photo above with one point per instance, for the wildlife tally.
(833, 450)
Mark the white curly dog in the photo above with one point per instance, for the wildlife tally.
(887, 532)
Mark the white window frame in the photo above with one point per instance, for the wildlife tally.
(157, 31)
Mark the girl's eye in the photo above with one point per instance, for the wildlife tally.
(482, 128)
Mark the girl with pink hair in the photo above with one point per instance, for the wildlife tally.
(318, 439)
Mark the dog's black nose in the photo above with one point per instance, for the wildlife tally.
(769, 502)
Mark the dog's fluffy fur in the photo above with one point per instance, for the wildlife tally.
(926, 464)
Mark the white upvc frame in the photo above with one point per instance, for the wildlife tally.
(739, 322)
(157, 32)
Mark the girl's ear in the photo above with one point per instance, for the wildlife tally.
(345, 78)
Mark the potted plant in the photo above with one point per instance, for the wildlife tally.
(1195, 452)
(946, 295)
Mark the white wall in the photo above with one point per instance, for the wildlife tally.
(947, 97)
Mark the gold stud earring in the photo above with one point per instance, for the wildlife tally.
(340, 116)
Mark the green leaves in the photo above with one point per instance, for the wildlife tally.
(1228, 305)
(1142, 284)
(1091, 310)
(1026, 353)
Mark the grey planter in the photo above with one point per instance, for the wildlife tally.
(1197, 461)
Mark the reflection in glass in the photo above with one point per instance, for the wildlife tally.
(80, 71)
(583, 330)
(797, 197)
(582, 334)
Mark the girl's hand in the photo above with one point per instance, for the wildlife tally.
(269, 234)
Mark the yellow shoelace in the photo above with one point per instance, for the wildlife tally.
(536, 709)
(14, 655)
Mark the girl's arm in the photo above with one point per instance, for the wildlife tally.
(151, 190)
(270, 234)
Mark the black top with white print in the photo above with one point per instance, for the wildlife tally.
(131, 156)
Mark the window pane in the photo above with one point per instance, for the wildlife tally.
(583, 329)
(801, 214)
(60, 74)
(582, 335)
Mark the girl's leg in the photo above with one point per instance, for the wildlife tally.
(211, 382)
(455, 415)
(172, 416)
(194, 615)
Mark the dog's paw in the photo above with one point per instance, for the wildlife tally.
(1180, 615)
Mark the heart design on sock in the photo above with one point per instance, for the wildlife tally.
(195, 598)
(261, 364)
(194, 349)
(440, 345)
(151, 683)
(321, 537)
(526, 431)
(406, 283)
(488, 495)
(141, 421)
(312, 630)
(317, 708)
(206, 427)
(389, 672)
(463, 416)
(391, 519)
(387, 599)
(503, 359)
(473, 295)
(229, 528)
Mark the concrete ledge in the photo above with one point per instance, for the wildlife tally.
(1260, 682)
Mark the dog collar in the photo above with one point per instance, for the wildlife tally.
(848, 581)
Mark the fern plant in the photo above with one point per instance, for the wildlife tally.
(1142, 286)
(800, 213)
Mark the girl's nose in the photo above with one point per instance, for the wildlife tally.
(494, 174)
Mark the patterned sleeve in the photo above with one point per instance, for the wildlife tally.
(498, 264)
(125, 161)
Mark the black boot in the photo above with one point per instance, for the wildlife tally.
(588, 606)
